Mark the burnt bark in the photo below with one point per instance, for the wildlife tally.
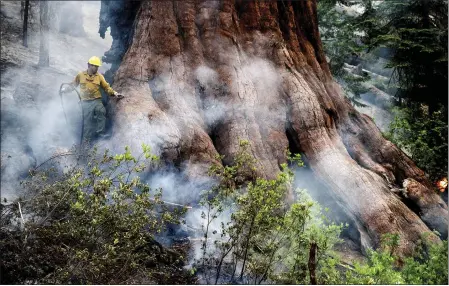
(119, 17)
(261, 71)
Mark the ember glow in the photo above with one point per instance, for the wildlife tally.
(442, 184)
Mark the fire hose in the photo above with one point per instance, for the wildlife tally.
(79, 102)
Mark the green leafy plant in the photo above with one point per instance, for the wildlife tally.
(267, 239)
(93, 224)
(427, 265)
(415, 31)
(424, 137)
(251, 245)
(96, 223)
(339, 33)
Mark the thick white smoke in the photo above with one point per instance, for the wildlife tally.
(33, 122)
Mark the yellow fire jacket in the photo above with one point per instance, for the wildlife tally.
(90, 85)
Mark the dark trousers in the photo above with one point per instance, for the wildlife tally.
(94, 119)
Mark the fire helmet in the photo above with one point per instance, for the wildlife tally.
(95, 61)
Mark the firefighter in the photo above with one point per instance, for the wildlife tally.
(94, 112)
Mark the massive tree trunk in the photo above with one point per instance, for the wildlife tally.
(202, 75)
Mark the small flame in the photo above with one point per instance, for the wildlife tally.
(442, 184)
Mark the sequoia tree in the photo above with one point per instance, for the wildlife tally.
(201, 75)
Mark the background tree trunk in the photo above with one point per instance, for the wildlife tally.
(44, 52)
(202, 75)
(26, 7)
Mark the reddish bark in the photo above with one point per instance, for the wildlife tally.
(345, 148)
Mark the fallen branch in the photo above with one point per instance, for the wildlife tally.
(174, 204)
(53, 157)
(21, 215)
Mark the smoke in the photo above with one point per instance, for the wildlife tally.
(319, 191)
(377, 61)
(378, 99)
(213, 108)
(177, 187)
(261, 81)
(33, 121)
(198, 219)
(264, 76)
(34, 103)
(208, 105)
(206, 76)
(267, 84)
(257, 99)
